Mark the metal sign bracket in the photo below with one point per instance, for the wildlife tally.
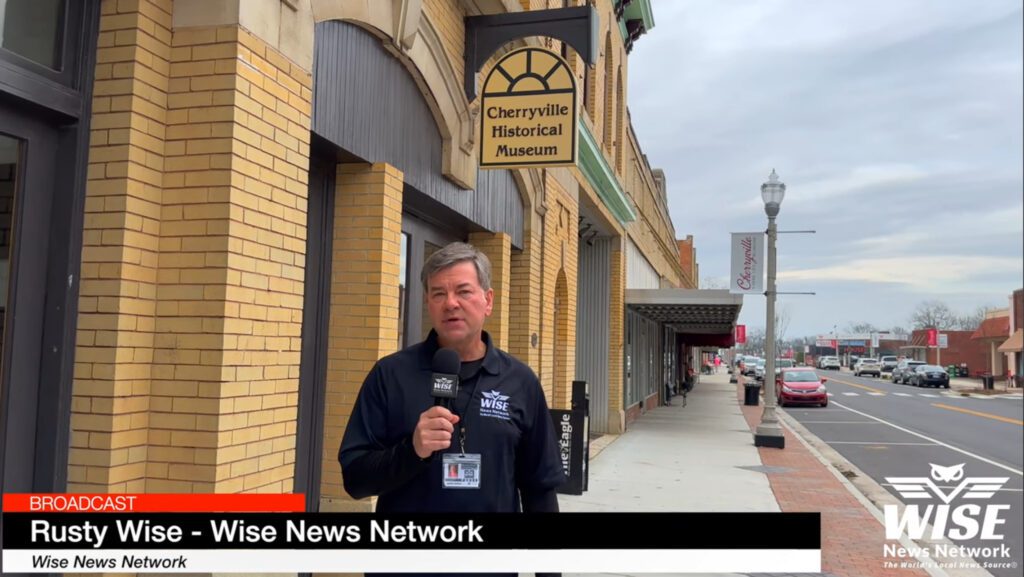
(576, 27)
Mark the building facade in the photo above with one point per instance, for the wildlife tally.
(230, 205)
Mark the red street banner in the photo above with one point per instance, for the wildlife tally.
(741, 334)
(933, 337)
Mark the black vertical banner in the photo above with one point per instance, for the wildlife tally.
(569, 433)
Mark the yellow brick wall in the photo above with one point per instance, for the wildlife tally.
(652, 232)
(616, 337)
(363, 324)
(117, 298)
(190, 325)
(561, 248)
(607, 105)
(231, 266)
(498, 248)
(524, 294)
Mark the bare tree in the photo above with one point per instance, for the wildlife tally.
(861, 328)
(933, 314)
(782, 318)
(898, 330)
(755, 341)
(971, 321)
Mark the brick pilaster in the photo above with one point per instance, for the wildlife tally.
(117, 298)
(498, 248)
(364, 302)
(616, 337)
(225, 387)
(186, 374)
(524, 296)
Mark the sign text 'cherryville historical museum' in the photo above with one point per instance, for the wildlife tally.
(528, 111)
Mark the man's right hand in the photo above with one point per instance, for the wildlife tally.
(433, 431)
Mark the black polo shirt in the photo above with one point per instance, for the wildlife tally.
(507, 422)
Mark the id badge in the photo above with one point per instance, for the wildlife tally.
(460, 471)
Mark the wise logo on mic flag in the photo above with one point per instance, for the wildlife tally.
(249, 533)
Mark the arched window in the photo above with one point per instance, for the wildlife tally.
(609, 95)
(620, 121)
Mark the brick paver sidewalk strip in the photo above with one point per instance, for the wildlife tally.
(852, 539)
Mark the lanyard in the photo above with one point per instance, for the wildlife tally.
(462, 421)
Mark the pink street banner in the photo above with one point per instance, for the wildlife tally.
(747, 272)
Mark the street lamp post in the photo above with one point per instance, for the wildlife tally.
(769, 432)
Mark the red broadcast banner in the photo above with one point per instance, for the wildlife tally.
(933, 337)
(153, 503)
(741, 334)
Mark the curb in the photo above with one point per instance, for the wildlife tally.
(601, 443)
(873, 496)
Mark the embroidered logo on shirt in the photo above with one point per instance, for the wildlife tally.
(494, 404)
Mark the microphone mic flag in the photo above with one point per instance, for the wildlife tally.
(444, 382)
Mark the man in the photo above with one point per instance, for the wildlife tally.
(401, 447)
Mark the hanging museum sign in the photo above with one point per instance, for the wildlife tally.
(528, 111)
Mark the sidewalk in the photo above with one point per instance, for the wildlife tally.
(702, 458)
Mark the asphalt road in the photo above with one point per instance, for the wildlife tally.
(890, 430)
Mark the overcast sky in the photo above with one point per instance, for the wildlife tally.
(895, 124)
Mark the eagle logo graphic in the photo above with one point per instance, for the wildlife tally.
(494, 404)
(925, 488)
(495, 396)
(947, 474)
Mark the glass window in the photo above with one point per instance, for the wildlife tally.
(33, 29)
(426, 326)
(9, 150)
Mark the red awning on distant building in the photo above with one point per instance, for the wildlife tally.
(1014, 344)
(997, 328)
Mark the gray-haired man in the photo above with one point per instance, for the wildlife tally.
(505, 454)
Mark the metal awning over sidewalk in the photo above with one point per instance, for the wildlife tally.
(703, 317)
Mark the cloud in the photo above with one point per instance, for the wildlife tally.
(922, 274)
(895, 125)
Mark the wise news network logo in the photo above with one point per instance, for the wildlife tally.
(952, 517)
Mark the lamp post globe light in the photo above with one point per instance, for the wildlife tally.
(769, 432)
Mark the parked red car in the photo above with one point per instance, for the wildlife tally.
(800, 386)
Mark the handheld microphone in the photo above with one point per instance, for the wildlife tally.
(445, 378)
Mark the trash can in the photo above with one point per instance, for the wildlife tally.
(987, 381)
(751, 394)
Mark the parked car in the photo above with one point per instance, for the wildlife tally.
(783, 364)
(830, 363)
(931, 375)
(749, 366)
(801, 386)
(759, 369)
(901, 374)
(867, 366)
(888, 363)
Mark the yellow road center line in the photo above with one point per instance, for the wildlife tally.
(865, 387)
(979, 414)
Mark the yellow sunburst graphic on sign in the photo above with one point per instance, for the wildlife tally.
(529, 70)
(528, 111)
